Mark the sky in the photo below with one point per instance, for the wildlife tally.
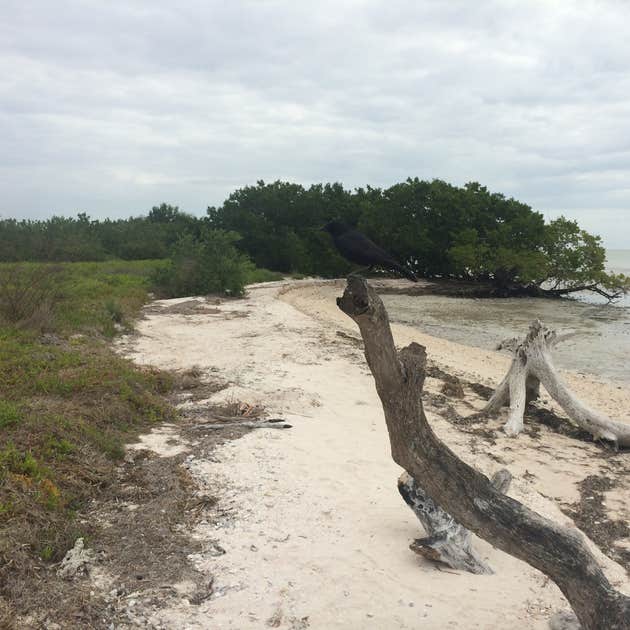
(113, 107)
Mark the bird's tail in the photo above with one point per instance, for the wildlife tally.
(405, 271)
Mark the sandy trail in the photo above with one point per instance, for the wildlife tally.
(314, 530)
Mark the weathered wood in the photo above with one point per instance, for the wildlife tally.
(564, 620)
(532, 366)
(250, 424)
(464, 492)
(447, 541)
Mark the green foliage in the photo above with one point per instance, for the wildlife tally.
(28, 294)
(10, 414)
(208, 264)
(576, 260)
(279, 225)
(68, 403)
(47, 552)
(437, 229)
(78, 297)
(114, 310)
(64, 239)
(256, 275)
(12, 460)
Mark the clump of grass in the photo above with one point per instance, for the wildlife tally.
(10, 414)
(260, 274)
(115, 311)
(28, 293)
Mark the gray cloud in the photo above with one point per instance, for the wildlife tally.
(113, 107)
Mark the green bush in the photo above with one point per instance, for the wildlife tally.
(115, 311)
(28, 294)
(208, 264)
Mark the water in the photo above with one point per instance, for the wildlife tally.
(618, 260)
(602, 348)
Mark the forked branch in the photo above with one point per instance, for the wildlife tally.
(532, 366)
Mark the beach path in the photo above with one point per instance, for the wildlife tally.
(314, 532)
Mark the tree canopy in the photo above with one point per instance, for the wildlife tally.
(439, 230)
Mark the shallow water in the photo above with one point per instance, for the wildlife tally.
(602, 349)
(617, 261)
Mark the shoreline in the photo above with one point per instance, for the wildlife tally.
(303, 548)
(317, 299)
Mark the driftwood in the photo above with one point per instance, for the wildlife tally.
(469, 496)
(532, 366)
(275, 423)
(447, 541)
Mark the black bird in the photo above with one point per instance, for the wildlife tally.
(359, 249)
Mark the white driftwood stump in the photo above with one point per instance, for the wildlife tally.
(447, 541)
(532, 366)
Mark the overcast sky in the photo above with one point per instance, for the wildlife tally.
(112, 107)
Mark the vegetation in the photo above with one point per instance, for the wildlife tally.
(439, 230)
(207, 264)
(68, 403)
(62, 239)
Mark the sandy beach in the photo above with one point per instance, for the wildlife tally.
(314, 531)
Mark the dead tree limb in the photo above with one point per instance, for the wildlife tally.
(532, 366)
(447, 541)
(250, 424)
(468, 495)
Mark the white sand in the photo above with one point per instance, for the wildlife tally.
(315, 533)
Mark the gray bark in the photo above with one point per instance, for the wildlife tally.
(447, 541)
(469, 496)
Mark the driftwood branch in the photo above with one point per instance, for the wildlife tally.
(250, 424)
(468, 495)
(532, 366)
(447, 541)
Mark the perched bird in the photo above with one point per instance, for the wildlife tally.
(359, 249)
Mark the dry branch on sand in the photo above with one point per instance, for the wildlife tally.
(469, 496)
(242, 421)
(532, 366)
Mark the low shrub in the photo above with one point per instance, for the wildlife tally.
(208, 264)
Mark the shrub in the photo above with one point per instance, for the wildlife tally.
(115, 311)
(28, 294)
(209, 264)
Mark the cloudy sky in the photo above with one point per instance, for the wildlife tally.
(112, 107)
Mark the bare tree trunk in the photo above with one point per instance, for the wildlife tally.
(447, 541)
(465, 493)
(531, 366)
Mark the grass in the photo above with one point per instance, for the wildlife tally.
(65, 412)
(68, 403)
(74, 297)
(262, 275)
